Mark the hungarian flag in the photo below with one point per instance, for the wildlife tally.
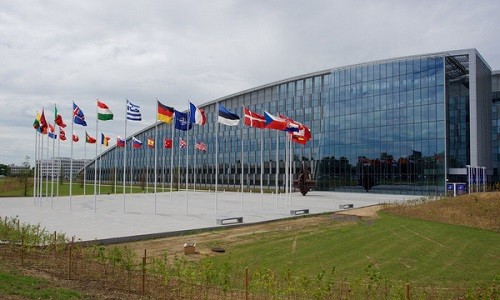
(136, 143)
(104, 140)
(201, 146)
(103, 112)
(58, 119)
(254, 119)
(167, 143)
(43, 123)
(89, 139)
(62, 134)
(165, 113)
(75, 137)
(120, 142)
(197, 115)
(151, 143)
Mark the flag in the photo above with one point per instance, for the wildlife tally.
(302, 136)
(75, 137)
(43, 123)
(52, 134)
(197, 115)
(36, 123)
(58, 119)
(227, 118)
(136, 143)
(104, 140)
(182, 143)
(103, 112)
(201, 146)
(120, 142)
(62, 134)
(182, 121)
(78, 116)
(167, 143)
(89, 139)
(151, 143)
(254, 119)
(273, 122)
(291, 125)
(165, 113)
(133, 113)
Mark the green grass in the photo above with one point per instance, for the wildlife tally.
(390, 248)
(14, 284)
(11, 187)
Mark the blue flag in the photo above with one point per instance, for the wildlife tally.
(182, 121)
(78, 116)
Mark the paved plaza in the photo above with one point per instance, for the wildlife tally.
(136, 216)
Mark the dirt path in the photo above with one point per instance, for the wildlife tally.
(207, 240)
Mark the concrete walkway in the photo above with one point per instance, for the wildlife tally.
(115, 217)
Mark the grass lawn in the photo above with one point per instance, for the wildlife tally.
(27, 287)
(398, 249)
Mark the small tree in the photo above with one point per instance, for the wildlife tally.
(24, 175)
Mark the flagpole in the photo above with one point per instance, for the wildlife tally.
(58, 157)
(195, 171)
(287, 163)
(116, 167)
(187, 170)
(148, 158)
(277, 167)
(71, 160)
(156, 157)
(47, 169)
(179, 169)
(85, 165)
(172, 162)
(125, 157)
(216, 155)
(131, 164)
(52, 179)
(35, 168)
(261, 169)
(242, 165)
(40, 172)
(100, 160)
(95, 160)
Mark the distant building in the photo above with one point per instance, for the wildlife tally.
(16, 170)
(60, 165)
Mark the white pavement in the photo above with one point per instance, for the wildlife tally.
(135, 216)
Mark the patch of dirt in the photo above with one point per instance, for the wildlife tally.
(233, 235)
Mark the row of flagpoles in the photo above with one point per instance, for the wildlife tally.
(184, 121)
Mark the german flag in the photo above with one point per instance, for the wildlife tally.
(165, 113)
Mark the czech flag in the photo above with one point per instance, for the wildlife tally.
(273, 122)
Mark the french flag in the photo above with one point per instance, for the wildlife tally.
(197, 115)
(273, 122)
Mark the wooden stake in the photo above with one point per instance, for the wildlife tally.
(69, 263)
(246, 283)
(144, 273)
(407, 291)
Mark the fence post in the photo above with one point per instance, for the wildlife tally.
(55, 243)
(69, 263)
(407, 291)
(246, 283)
(144, 273)
(22, 248)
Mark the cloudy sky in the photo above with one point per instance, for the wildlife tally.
(56, 52)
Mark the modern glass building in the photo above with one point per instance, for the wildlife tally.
(406, 125)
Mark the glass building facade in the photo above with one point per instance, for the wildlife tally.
(404, 126)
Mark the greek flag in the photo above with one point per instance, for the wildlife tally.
(133, 113)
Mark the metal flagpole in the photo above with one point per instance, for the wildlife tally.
(100, 161)
(172, 162)
(125, 157)
(156, 156)
(35, 168)
(47, 170)
(287, 160)
(148, 159)
(277, 168)
(187, 170)
(52, 179)
(261, 168)
(60, 165)
(216, 155)
(131, 163)
(40, 172)
(242, 165)
(71, 160)
(95, 159)
(116, 167)
(179, 168)
(85, 164)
